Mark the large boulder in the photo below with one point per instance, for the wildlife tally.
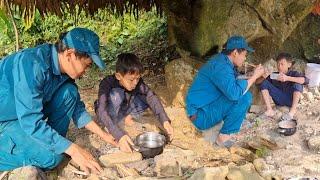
(203, 26)
(303, 42)
(179, 75)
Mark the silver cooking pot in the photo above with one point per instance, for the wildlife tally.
(149, 144)
(287, 127)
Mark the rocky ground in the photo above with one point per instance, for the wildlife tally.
(261, 153)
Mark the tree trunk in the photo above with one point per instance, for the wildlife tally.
(14, 25)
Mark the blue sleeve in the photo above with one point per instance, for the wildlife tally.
(80, 115)
(29, 79)
(224, 79)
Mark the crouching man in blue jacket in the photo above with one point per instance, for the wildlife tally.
(39, 98)
(217, 95)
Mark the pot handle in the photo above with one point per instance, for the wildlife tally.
(136, 148)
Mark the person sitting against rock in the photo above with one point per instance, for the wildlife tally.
(124, 96)
(39, 97)
(285, 87)
(217, 95)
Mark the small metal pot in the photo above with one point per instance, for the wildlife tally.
(149, 144)
(287, 127)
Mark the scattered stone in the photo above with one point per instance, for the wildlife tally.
(109, 160)
(149, 172)
(125, 171)
(308, 131)
(166, 168)
(138, 178)
(186, 158)
(315, 113)
(140, 165)
(309, 96)
(314, 144)
(209, 173)
(269, 142)
(314, 91)
(243, 172)
(237, 158)
(247, 154)
(27, 172)
(273, 177)
(93, 177)
(264, 141)
(260, 165)
(113, 150)
(109, 173)
(254, 144)
(257, 109)
(250, 116)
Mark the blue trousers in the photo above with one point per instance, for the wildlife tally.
(118, 109)
(232, 113)
(17, 149)
(281, 97)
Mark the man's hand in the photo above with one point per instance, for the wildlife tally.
(282, 77)
(125, 143)
(258, 71)
(167, 126)
(84, 159)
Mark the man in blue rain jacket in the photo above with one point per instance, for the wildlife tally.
(39, 98)
(217, 95)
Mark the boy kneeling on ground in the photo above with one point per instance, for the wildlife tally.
(123, 96)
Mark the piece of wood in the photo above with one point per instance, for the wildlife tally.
(269, 143)
(178, 144)
(80, 172)
(75, 169)
(252, 65)
(110, 160)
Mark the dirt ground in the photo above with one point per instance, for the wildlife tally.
(287, 157)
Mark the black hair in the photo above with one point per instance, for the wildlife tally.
(229, 51)
(128, 63)
(61, 47)
(285, 56)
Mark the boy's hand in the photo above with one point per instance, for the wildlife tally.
(282, 77)
(125, 143)
(167, 126)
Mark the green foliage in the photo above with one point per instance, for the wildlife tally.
(258, 122)
(262, 152)
(4, 21)
(117, 34)
(6, 30)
